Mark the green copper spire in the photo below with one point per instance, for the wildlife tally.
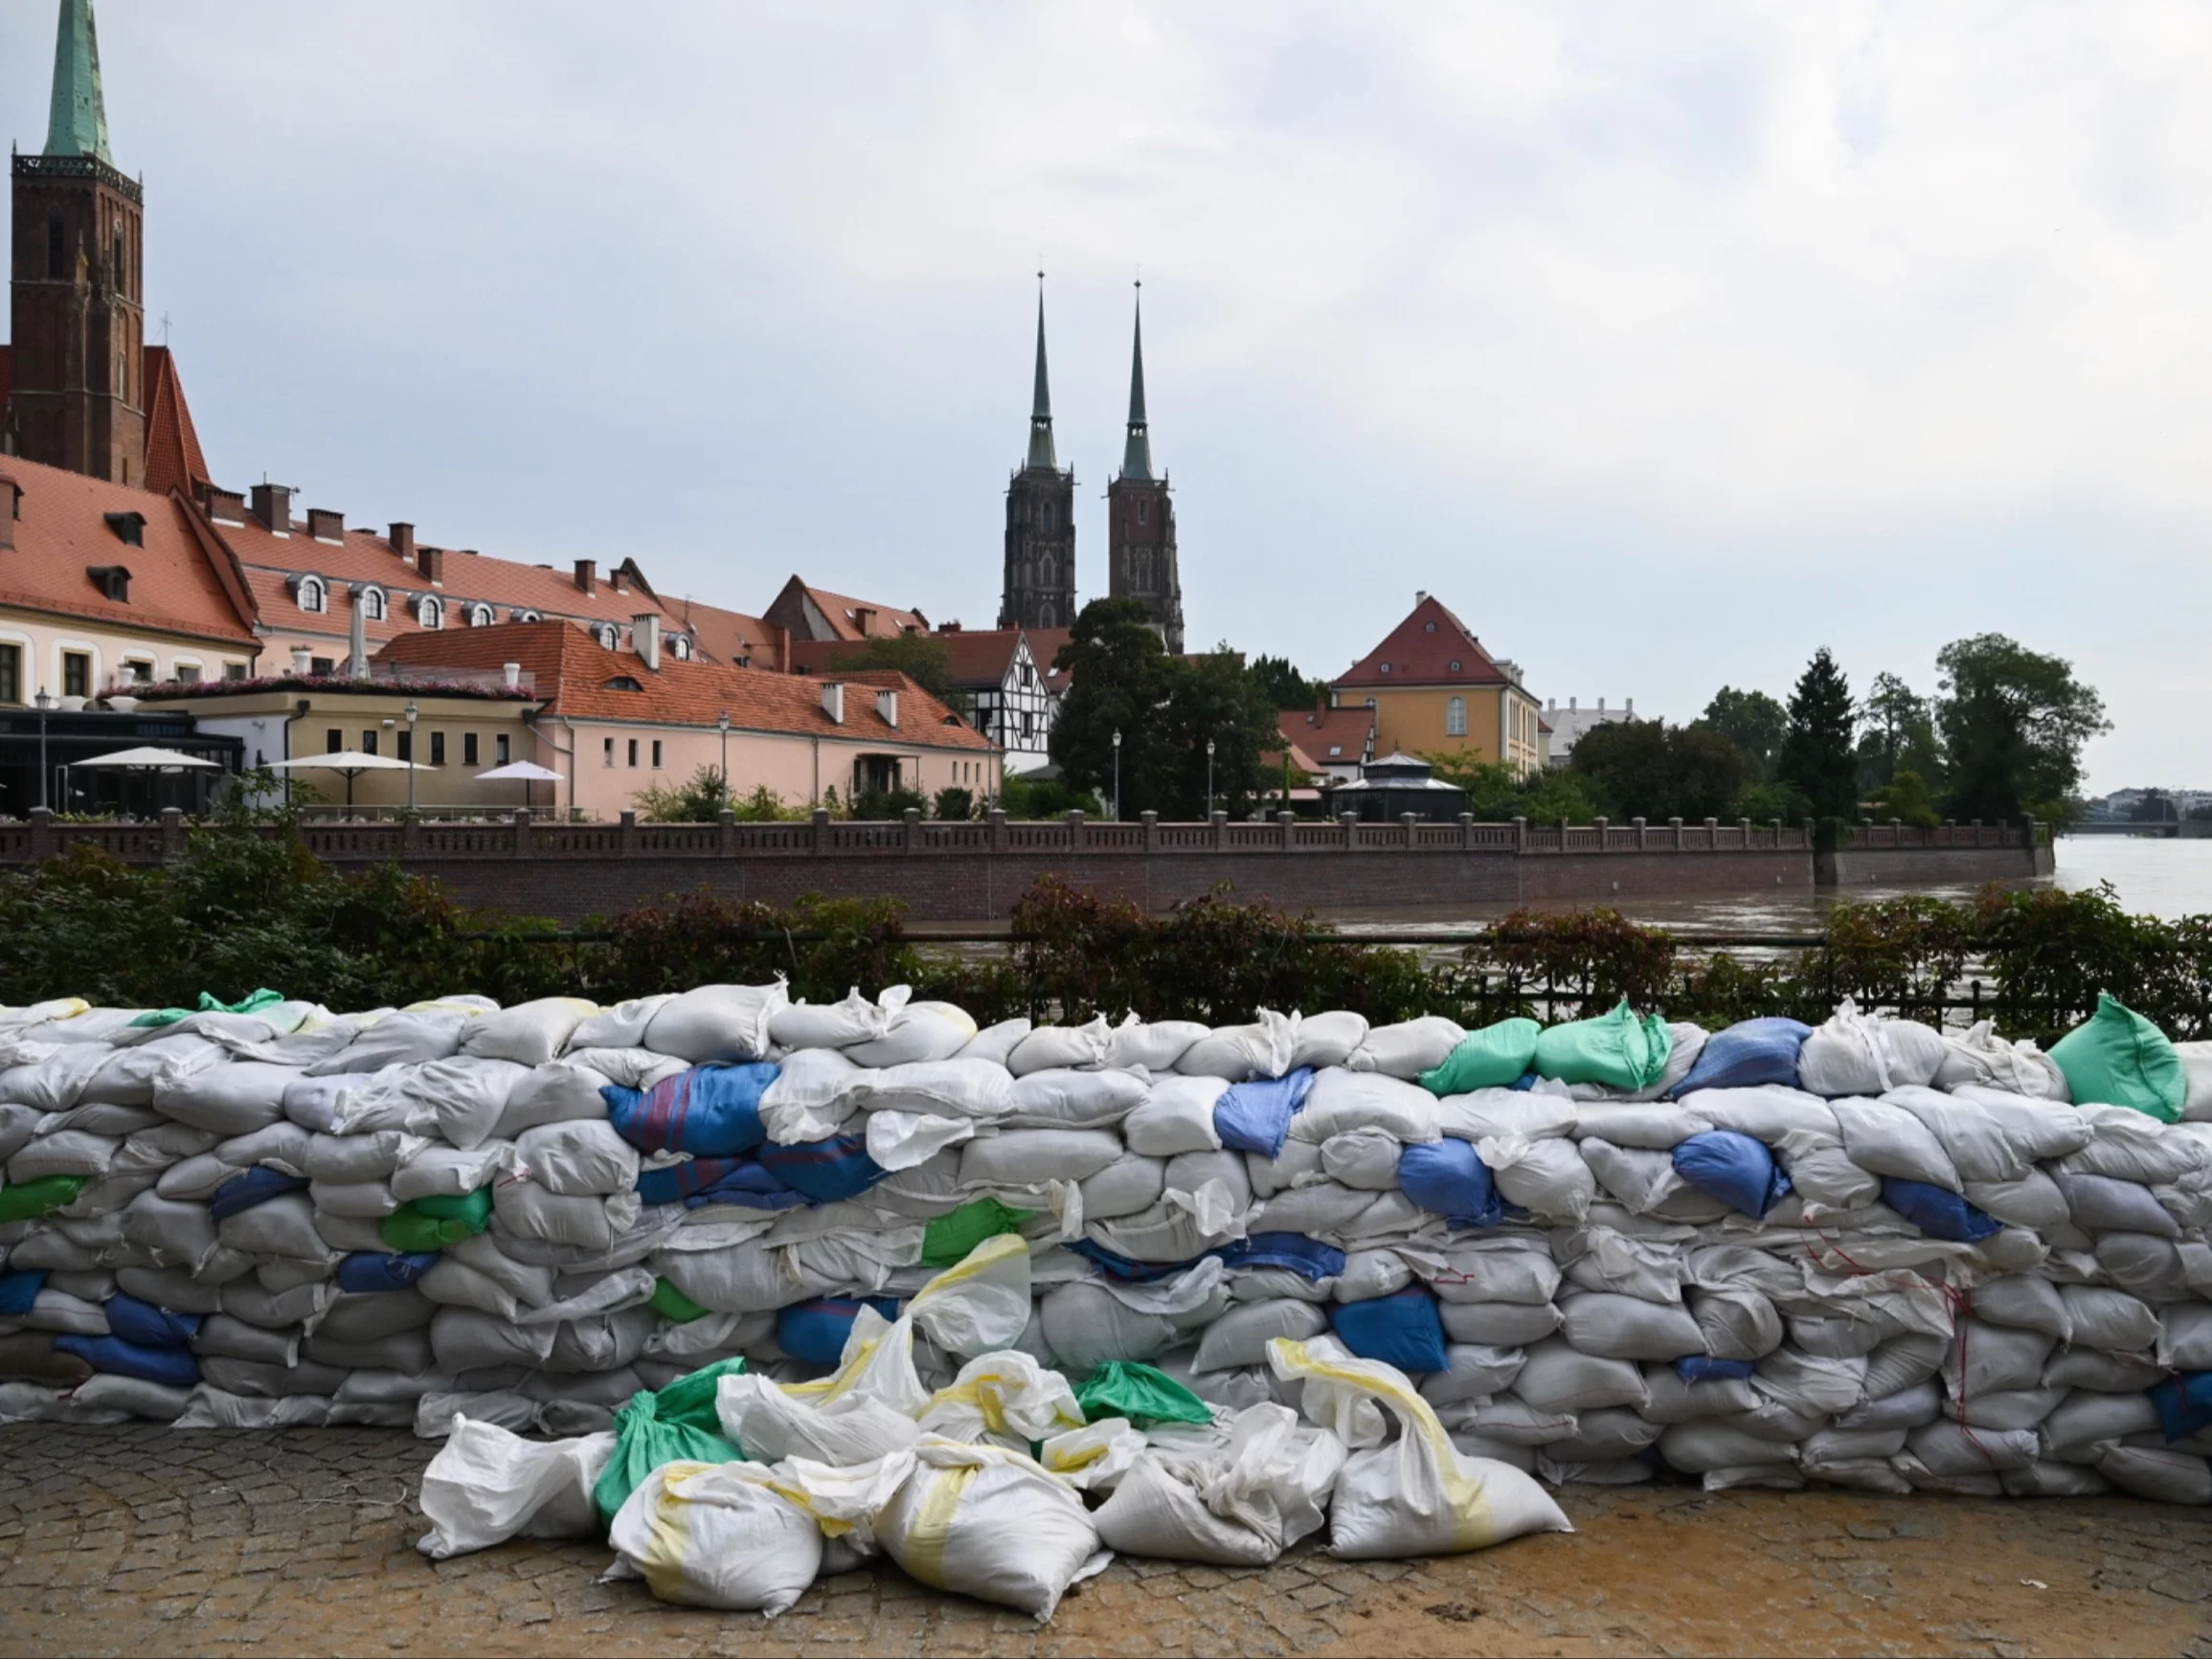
(1137, 453)
(1041, 453)
(79, 124)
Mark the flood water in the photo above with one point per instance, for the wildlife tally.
(2158, 877)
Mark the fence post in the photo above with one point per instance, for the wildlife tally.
(1604, 833)
(1408, 819)
(1287, 822)
(1713, 835)
(1151, 821)
(1638, 825)
(1777, 834)
(1220, 821)
(522, 832)
(2000, 828)
(172, 832)
(995, 829)
(913, 839)
(822, 829)
(410, 837)
(1520, 837)
(1351, 823)
(627, 833)
(1074, 832)
(41, 833)
(727, 821)
(1744, 825)
(1676, 825)
(1466, 831)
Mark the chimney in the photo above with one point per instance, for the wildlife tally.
(1420, 595)
(431, 562)
(10, 508)
(226, 507)
(646, 637)
(619, 575)
(863, 619)
(357, 641)
(403, 542)
(326, 526)
(1571, 702)
(1601, 706)
(1631, 709)
(886, 706)
(303, 660)
(833, 701)
(588, 576)
(273, 507)
(511, 673)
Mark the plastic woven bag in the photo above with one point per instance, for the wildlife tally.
(677, 1424)
(1146, 1396)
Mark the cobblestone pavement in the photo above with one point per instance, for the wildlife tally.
(139, 1540)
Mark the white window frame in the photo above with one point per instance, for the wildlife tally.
(314, 596)
(430, 611)
(375, 604)
(481, 614)
(1456, 717)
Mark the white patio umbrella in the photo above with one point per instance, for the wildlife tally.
(144, 759)
(352, 762)
(527, 771)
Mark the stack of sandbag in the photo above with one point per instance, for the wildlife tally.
(1869, 1253)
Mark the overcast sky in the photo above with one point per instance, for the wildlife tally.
(1664, 343)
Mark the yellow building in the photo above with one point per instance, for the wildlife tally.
(1435, 690)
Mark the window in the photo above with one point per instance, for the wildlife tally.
(656, 755)
(334, 741)
(498, 748)
(137, 671)
(429, 612)
(407, 746)
(1045, 518)
(1456, 717)
(234, 670)
(186, 674)
(369, 741)
(1454, 665)
(437, 749)
(320, 665)
(606, 636)
(633, 751)
(1386, 667)
(10, 673)
(527, 616)
(1047, 572)
(1140, 507)
(372, 604)
(75, 674)
(313, 595)
(479, 616)
(624, 683)
(610, 751)
(679, 648)
(1428, 627)
(468, 749)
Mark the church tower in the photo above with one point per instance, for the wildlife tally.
(78, 317)
(1040, 582)
(1140, 520)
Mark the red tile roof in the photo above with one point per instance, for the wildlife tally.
(177, 585)
(1352, 731)
(979, 658)
(574, 674)
(173, 446)
(1429, 648)
(804, 610)
(732, 636)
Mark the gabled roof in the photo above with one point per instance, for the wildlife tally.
(979, 658)
(1430, 647)
(177, 585)
(810, 612)
(1331, 736)
(732, 636)
(172, 447)
(578, 677)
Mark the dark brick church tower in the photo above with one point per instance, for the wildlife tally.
(1141, 520)
(1040, 582)
(78, 359)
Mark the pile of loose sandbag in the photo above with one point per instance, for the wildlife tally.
(1871, 1254)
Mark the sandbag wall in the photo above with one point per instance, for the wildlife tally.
(1871, 1254)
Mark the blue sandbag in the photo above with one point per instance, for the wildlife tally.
(1697, 1368)
(814, 1333)
(1402, 1329)
(750, 1185)
(1126, 1269)
(1293, 1252)
(250, 1187)
(676, 1182)
(1733, 1167)
(372, 1270)
(18, 1291)
(1255, 1117)
(709, 1111)
(172, 1367)
(1937, 1213)
(1448, 1179)
(148, 1326)
(2184, 1403)
(826, 1171)
(1748, 1053)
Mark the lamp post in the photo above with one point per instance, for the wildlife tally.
(412, 714)
(45, 702)
(1117, 775)
(1210, 778)
(723, 725)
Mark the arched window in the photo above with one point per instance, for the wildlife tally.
(1047, 572)
(430, 612)
(56, 245)
(372, 604)
(313, 595)
(1045, 616)
(1046, 516)
(121, 266)
(522, 615)
(1141, 504)
(679, 648)
(1456, 717)
(479, 616)
(607, 636)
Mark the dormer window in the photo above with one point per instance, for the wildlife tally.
(430, 611)
(313, 595)
(479, 616)
(113, 582)
(129, 527)
(1386, 667)
(520, 615)
(624, 683)
(679, 648)
(1428, 627)
(609, 637)
(1455, 666)
(374, 604)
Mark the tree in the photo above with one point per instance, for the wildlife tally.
(698, 800)
(2014, 722)
(1122, 680)
(1906, 797)
(1897, 733)
(1496, 796)
(1754, 722)
(1285, 687)
(1816, 756)
(1216, 699)
(923, 658)
(1647, 769)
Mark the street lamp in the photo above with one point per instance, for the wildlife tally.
(45, 704)
(412, 714)
(1210, 778)
(723, 724)
(1117, 775)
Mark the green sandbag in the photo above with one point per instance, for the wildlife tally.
(672, 1304)
(2118, 1058)
(1143, 1395)
(250, 1004)
(437, 1222)
(1494, 1057)
(25, 1200)
(1615, 1049)
(677, 1424)
(947, 1241)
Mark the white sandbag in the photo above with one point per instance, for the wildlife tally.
(1153, 1045)
(1240, 1336)
(1545, 1177)
(1365, 1159)
(1736, 1321)
(809, 1026)
(1767, 1112)
(918, 1033)
(2034, 1201)
(724, 1536)
(558, 1091)
(1127, 1186)
(1060, 1098)
(1947, 1449)
(230, 1099)
(2128, 1146)
(1030, 1157)
(579, 1159)
(1500, 1267)
(2098, 1316)
(68, 1152)
(1371, 1273)
(284, 1225)
(1809, 1384)
(1539, 1114)
(1476, 1371)
(1605, 1437)
(995, 1043)
(1240, 1053)
(2197, 1076)
(129, 1075)
(1887, 1140)
(1641, 1180)
(1341, 1102)
(2027, 1300)
(1981, 1057)
(1418, 1496)
(622, 1025)
(1327, 1039)
(1051, 1048)
(440, 1171)
(1408, 1049)
(1618, 1327)
(974, 1088)
(1006, 1399)
(983, 1521)
(1985, 1358)
(1176, 1116)
(720, 1023)
(810, 1097)
(1502, 1324)
(460, 1100)
(1556, 1376)
(529, 1033)
(2086, 1420)
(773, 1422)
(1239, 1501)
(52, 1079)
(2099, 1205)
(2157, 1473)
(1710, 1444)
(1649, 1126)
(1673, 1399)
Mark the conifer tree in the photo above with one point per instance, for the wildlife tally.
(1816, 750)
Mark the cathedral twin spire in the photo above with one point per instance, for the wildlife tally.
(1136, 450)
(77, 124)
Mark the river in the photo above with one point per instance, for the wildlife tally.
(2158, 877)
